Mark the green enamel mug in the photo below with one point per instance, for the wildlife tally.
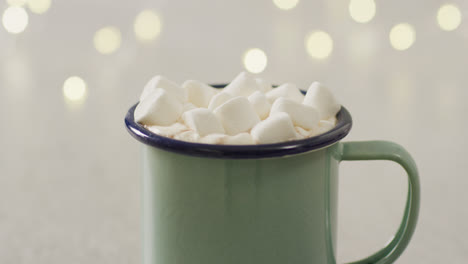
(256, 204)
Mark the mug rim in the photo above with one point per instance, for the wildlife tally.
(258, 151)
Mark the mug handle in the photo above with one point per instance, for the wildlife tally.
(384, 150)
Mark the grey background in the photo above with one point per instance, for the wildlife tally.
(69, 174)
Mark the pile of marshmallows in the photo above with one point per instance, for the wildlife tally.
(247, 111)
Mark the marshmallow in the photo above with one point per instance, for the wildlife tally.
(263, 85)
(260, 104)
(237, 115)
(202, 121)
(243, 85)
(199, 93)
(277, 127)
(197, 112)
(302, 115)
(166, 84)
(287, 90)
(189, 136)
(158, 108)
(319, 97)
(301, 132)
(213, 139)
(219, 99)
(168, 131)
(239, 139)
(331, 120)
(325, 126)
(188, 107)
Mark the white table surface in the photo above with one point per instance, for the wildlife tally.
(69, 174)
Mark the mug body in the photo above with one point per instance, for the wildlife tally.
(256, 204)
(252, 211)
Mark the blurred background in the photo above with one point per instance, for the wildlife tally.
(69, 71)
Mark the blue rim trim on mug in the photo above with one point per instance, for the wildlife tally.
(341, 129)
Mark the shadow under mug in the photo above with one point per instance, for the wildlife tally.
(256, 204)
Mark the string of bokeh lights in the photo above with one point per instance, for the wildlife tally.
(147, 27)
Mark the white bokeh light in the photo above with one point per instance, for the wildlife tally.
(449, 17)
(402, 36)
(319, 44)
(15, 19)
(255, 60)
(147, 26)
(107, 40)
(362, 11)
(285, 4)
(74, 89)
(39, 6)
